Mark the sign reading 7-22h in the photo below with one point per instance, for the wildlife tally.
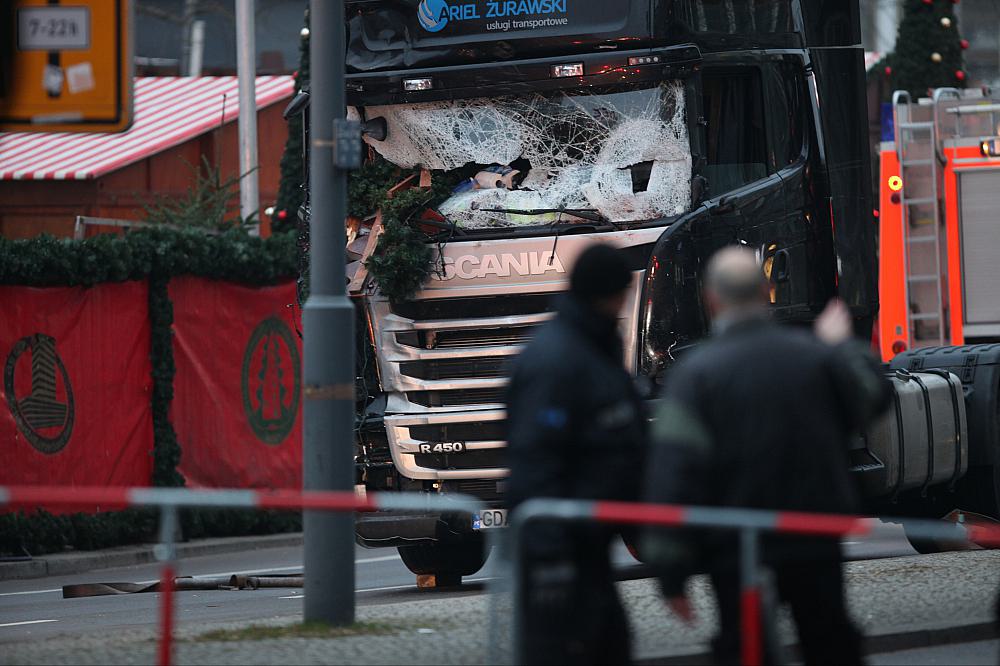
(65, 65)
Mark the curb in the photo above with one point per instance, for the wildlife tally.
(80, 562)
(877, 644)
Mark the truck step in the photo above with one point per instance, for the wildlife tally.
(923, 278)
(917, 127)
(920, 240)
(919, 201)
(925, 316)
(916, 163)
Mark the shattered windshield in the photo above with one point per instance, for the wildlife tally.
(621, 154)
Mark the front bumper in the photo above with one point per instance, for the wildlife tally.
(379, 529)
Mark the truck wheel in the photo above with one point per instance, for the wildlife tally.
(980, 491)
(631, 540)
(447, 561)
(926, 546)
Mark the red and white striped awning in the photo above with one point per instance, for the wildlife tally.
(168, 111)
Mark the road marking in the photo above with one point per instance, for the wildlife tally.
(368, 560)
(386, 558)
(13, 594)
(18, 624)
(393, 587)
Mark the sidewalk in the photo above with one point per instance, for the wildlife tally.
(87, 560)
(898, 602)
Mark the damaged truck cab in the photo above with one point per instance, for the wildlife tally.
(667, 128)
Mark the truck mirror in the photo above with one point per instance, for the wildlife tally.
(376, 128)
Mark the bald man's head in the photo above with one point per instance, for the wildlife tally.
(734, 282)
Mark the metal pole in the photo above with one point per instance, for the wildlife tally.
(328, 324)
(165, 552)
(751, 641)
(197, 48)
(246, 70)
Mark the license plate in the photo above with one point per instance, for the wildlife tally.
(490, 519)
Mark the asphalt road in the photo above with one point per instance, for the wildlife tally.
(985, 653)
(35, 609)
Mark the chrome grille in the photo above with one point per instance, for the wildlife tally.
(483, 396)
(434, 364)
(444, 357)
(458, 368)
(475, 459)
(484, 338)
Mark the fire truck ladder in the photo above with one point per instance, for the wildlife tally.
(916, 149)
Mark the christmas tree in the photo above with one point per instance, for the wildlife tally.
(290, 194)
(928, 50)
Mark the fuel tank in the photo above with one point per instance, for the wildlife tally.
(922, 440)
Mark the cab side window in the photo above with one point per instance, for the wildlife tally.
(736, 143)
(735, 16)
(786, 108)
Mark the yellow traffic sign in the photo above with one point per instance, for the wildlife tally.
(69, 65)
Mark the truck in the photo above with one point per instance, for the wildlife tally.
(666, 128)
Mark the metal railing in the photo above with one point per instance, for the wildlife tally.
(748, 522)
(170, 500)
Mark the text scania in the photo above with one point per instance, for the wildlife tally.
(469, 266)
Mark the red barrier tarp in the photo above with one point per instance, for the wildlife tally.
(75, 394)
(237, 406)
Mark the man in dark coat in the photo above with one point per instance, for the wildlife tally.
(760, 416)
(575, 430)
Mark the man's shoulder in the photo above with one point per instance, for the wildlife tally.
(745, 347)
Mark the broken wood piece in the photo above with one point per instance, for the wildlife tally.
(357, 282)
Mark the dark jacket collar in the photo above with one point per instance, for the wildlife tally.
(599, 329)
(741, 323)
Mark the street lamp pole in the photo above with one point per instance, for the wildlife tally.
(246, 69)
(328, 324)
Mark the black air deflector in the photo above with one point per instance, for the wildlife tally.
(521, 77)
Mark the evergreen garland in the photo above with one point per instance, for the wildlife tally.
(403, 258)
(156, 255)
(928, 51)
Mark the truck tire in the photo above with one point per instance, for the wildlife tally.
(926, 546)
(980, 491)
(631, 541)
(447, 561)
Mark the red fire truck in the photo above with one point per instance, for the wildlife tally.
(939, 205)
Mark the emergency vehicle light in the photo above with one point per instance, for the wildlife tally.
(990, 147)
(895, 183)
(572, 69)
(412, 85)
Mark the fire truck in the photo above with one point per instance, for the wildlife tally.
(939, 281)
(668, 129)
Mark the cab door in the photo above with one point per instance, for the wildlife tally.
(745, 194)
(796, 244)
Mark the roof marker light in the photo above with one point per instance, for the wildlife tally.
(413, 85)
(644, 60)
(568, 70)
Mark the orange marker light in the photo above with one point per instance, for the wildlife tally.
(895, 183)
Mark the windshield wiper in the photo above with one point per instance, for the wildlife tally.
(583, 213)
